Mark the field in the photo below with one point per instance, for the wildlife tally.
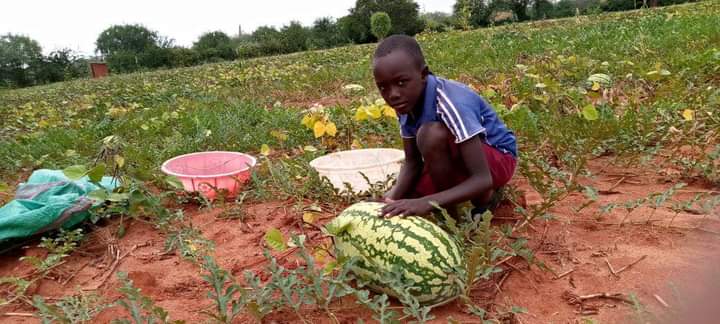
(617, 190)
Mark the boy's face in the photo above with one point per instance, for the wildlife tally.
(400, 81)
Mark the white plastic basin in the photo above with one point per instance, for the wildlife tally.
(349, 166)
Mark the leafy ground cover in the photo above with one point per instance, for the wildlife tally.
(617, 121)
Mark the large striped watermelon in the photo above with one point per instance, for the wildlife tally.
(426, 253)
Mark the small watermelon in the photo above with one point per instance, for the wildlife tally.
(426, 253)
(599, 78)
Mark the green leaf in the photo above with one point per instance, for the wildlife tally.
(118, 197)
(136, 200)
(174, 182)
(590, 113)
(75, 172)
(591, 193)
(489, 93)
(265, 150)
(4, 186)
(119, 160)
(95, 174)
(330, 267)
(275, 239)
(99, 195)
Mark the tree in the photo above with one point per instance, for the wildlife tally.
(126, 38)
(294, 37)
(437, 21)
(404, 15)
(564, 8)
(20, 57)
(129, 48)
(215, 46)
(589, 6)
(472, 13)
(325, 33)
(542, 9)
(619, 5)
(183, 57)
(519, 8)
(268, 41)
(354, 30)
(380, 24)
(58, 66)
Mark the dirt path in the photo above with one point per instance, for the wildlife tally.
(675, 264)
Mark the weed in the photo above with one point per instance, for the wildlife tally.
(58, 249)
(223, 294)
(69, 309)
(142, 309)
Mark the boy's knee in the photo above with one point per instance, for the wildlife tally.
(433, 138)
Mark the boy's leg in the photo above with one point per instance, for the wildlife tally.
(502, 167)
(445, 168)
(433, 141)
(443, 161)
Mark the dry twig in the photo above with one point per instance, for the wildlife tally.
(19, 314)
(661, 301)
(574, 299)
(630, 265)
(504, 260)
(75, 272)
(502, 280)
(114, 265)
(565, 273)
(611, 190)
(611, 268)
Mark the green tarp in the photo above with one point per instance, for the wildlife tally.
(47, 201)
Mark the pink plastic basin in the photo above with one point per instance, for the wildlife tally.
(207, 172)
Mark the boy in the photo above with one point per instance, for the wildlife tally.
(456, 148)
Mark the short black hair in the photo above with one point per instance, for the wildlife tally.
(401, 43)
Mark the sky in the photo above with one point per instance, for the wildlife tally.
(76, 24)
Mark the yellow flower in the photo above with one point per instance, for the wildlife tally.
(374, 111)
(308, 121)
(319, 129)
(389, 112)
(361, 113)
(688, 114)
(330, 129)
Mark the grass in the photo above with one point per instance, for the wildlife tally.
(41, 124)
(660, 103)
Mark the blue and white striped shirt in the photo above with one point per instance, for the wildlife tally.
(463, 111)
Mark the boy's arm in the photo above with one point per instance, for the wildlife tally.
(409, 171)
(479, 181)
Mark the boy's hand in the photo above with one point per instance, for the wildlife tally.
(407, 207)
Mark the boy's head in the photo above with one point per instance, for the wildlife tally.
(400, 72)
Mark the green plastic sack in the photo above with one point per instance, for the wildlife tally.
(47, 201)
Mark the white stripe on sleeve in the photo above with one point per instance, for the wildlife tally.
(445, 115)
(455, 113)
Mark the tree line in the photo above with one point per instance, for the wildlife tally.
(130, 48)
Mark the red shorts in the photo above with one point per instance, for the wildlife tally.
(502, 167)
